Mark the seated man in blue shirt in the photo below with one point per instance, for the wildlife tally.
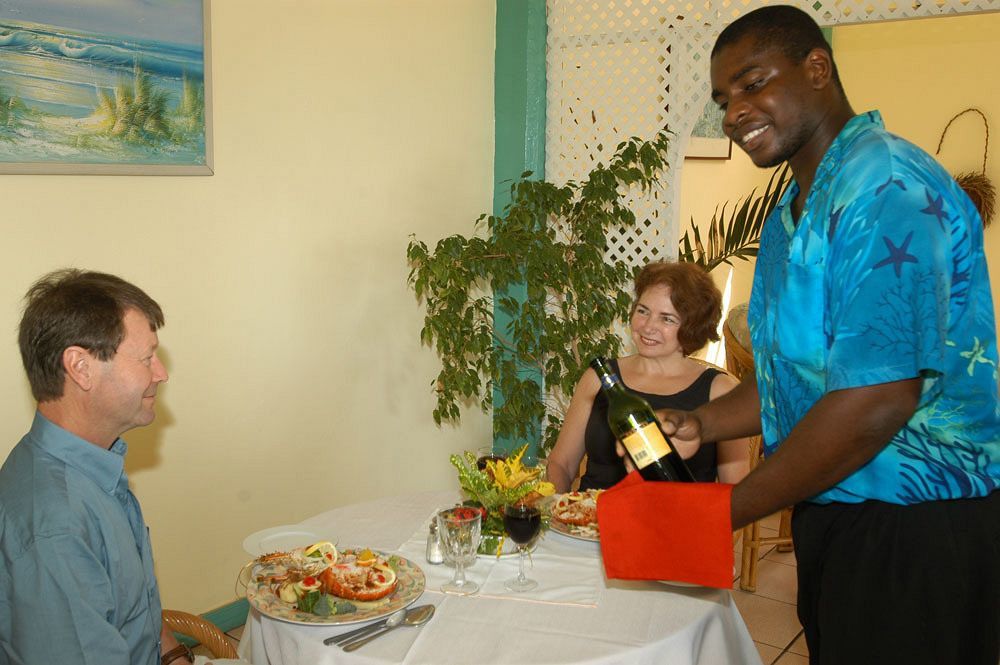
(77, 583)
(875, 355)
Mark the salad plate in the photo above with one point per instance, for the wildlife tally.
(410, 584)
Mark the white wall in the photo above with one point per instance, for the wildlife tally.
(297, 379)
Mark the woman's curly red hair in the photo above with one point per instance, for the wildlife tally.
(694, 295)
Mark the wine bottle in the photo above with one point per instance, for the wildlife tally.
(632, 421)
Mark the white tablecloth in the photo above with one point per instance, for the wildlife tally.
(633, 622)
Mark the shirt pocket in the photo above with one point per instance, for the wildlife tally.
(800, 316)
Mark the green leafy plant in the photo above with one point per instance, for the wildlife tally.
(552, 240)
(738, 236)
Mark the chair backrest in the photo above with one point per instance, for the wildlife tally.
(739, 360)
(202, 630)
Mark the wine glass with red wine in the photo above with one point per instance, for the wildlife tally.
(522, 523)
(485, 455)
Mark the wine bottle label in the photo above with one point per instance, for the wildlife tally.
(646, 445)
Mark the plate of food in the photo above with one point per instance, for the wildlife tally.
(574, 514)
(321, 584)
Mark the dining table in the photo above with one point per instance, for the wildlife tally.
(575, 615)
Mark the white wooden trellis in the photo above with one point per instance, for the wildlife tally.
(621, 68)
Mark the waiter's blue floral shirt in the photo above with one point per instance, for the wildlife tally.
(882, 279)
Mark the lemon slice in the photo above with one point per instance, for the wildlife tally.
(327, 550)
(385, 571)
(366, 558)
(308, 584)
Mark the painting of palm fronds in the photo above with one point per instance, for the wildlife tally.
(106, 86)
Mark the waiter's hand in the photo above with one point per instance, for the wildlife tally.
(620, 449)
(682, 427)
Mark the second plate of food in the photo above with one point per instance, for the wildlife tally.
(574, 514)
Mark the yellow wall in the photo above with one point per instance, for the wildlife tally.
(297, 379)
(918, 73)
(708, 184)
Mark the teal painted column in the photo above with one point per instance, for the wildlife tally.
(519, 120)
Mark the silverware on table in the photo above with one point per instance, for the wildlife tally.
(396, 616)
(415, 616)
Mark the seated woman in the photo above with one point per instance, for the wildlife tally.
(676, 312)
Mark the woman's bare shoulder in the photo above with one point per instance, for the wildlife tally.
(589, 384)
(722, 384)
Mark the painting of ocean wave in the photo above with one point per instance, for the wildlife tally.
(105, 86)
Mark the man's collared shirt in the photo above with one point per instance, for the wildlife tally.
(883, 278)
(76, 577)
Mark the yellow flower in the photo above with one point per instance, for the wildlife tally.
(511, 472)
(545, 488)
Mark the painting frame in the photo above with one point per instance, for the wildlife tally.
(202, 163)
(704, 147)
(707, 140)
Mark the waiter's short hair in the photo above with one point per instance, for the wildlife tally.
(73, 307)
(787, 29)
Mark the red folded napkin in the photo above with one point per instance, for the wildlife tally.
(680, 532)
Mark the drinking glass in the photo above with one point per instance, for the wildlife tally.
(460, 532)
(522, 524)
(485, 454)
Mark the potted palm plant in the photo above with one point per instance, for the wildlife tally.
(736, 236)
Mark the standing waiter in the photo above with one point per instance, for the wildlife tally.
(876, 365)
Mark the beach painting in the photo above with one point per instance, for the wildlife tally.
(105, 87)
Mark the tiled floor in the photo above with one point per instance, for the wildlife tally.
(769, 612)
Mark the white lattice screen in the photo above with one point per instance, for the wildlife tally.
(620, 68)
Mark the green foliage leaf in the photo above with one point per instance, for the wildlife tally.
(738, 235)
(308, 601)
(541, 263)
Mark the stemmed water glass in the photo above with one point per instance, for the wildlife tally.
(460, 529)
(522, 524)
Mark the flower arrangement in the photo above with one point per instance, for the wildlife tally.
(503, 481)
